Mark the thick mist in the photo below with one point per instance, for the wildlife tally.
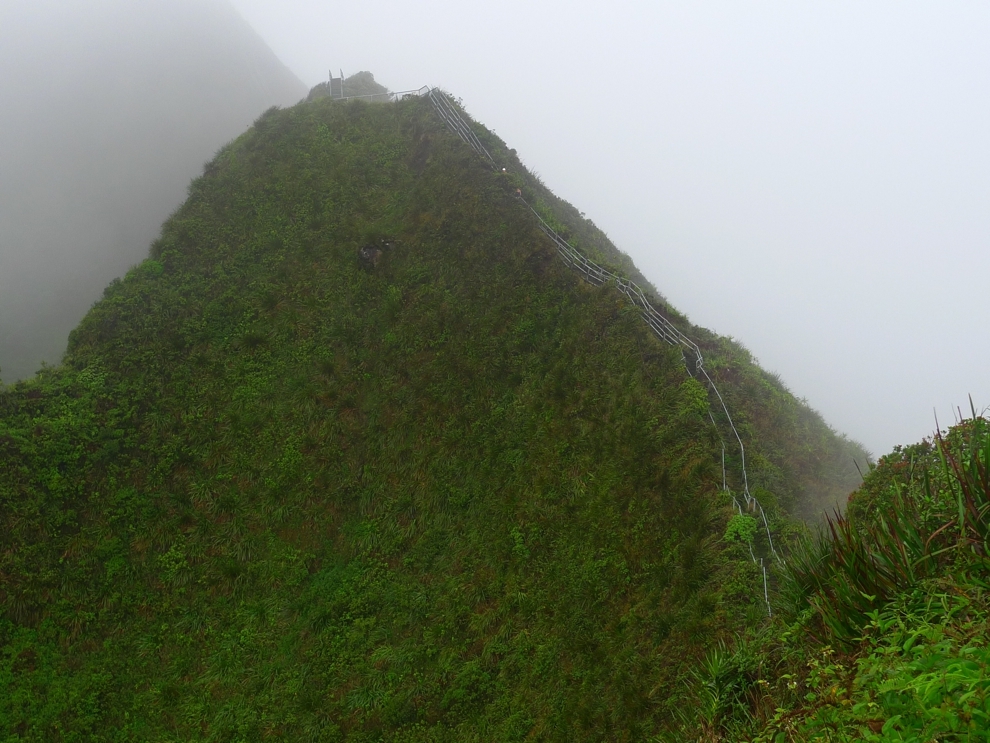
(107, 110)
(809, 178)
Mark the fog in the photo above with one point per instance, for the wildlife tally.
(811, 179)
(108, 109)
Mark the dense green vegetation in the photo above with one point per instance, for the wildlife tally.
(353, 456)
(883, 618)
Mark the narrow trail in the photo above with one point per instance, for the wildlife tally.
(661, 326)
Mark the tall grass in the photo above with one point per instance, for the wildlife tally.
(926, 527)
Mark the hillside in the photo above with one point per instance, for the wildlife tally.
(107, 110)
(353, 455)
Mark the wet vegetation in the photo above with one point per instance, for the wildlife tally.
(352, 455)
(883, 616)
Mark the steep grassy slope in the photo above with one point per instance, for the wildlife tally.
(352, 455)
(795, 460)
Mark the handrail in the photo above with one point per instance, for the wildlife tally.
(389, 97)
(661, 326)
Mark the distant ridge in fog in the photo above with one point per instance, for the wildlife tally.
(107, 110)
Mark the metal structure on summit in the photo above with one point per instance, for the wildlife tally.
(337, 86)
(338, 93)
(598, 275)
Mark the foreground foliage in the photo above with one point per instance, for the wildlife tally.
(885, 617)
(352, 456)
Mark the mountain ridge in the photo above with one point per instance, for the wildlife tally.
(594, 244)
(354, 455)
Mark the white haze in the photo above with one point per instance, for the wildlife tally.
(108, 109)
(812, 179)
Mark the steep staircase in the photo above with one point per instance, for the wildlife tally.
(658, 323)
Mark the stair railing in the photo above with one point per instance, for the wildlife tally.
(661, 326)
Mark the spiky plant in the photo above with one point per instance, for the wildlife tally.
(941, 524)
